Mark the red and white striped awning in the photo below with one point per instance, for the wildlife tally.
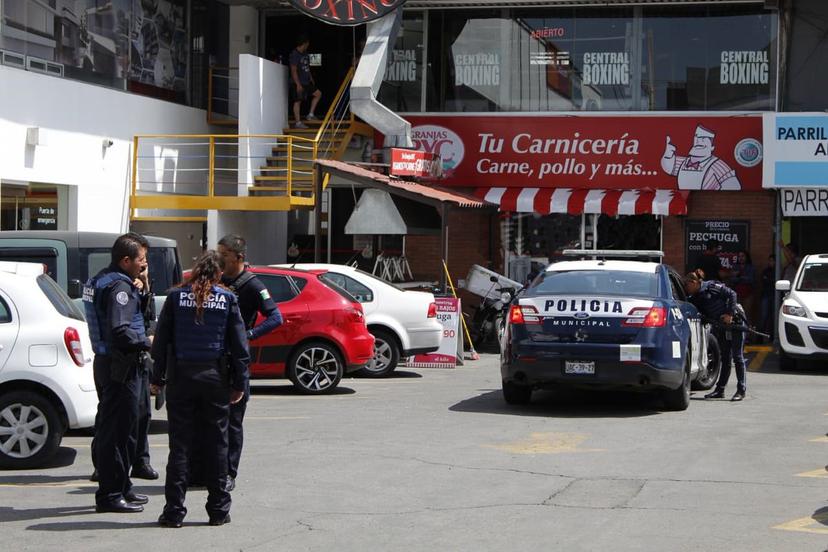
(576, 201)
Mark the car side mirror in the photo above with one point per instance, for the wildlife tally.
(783, 285)
(75, 289)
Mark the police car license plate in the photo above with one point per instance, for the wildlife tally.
(579, 367)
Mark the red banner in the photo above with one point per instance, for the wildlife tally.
(673, 152)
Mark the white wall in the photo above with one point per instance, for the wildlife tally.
(262, 110)
(75, 118)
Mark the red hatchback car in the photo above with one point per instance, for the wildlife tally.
(323, 335)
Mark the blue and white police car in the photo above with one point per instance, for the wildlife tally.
(607, 322)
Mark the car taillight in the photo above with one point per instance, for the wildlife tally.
(523, 315)
(646, 317)
(355, 315)
(71, 338)
(432, 310)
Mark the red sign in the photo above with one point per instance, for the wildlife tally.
(450, 352)
(347, 12)
(406, 162)
(673, 152)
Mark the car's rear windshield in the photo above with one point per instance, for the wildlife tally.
(814, 277)
(596, 282)
(58, 298)
(329, 284)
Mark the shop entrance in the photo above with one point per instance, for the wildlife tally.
(331, 48)
(809, 234)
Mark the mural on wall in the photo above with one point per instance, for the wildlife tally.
(159, 44)
(92, 36)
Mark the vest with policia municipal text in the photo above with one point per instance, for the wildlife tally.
(95, 294)
(204, 342)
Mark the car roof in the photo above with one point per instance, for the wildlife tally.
(316, 267)
(816, 257)
(82, 239)
(627, 266)
(273, 269)
(21, 269)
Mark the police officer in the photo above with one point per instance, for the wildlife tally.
(719, 303)
(116, 327)
(200, 353)
(141, 469)
(253, 299)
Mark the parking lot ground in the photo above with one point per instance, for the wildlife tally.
(435, 460)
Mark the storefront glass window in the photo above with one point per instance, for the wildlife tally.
(709, 58)
(602, 59)
(402, 88)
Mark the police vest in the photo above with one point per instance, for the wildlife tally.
(200, 340)
(711, 300)
(95, 294)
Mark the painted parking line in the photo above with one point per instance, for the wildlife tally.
(821, 473)
(70, 444)
(813, 524)
(80, 483)
(762, 352)
(823, 439)
(546, 443)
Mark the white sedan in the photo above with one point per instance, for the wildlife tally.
(803, 318)
(46, 381)
(403, 323)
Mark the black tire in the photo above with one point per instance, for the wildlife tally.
(787, 363)
(315, 368)
(39, 441)
(386, 355)
(679, 398)
(707, 378)
(516, 394)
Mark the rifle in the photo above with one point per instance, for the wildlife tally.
(734, 327)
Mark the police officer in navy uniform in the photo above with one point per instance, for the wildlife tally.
(253, 299)
(116, 327)
(200, 353)
(718, 303)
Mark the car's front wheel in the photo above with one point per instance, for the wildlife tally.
(515, 393)
(30, 430)
(315, 368)
(386, 355)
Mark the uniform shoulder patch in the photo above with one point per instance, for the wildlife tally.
(264, 294)
(122, 298)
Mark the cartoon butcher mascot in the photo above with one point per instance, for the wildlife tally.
(700, 170)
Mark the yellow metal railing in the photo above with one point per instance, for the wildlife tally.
(208, 171)
(186, 172)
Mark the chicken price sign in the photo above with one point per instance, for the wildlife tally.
(450, 353)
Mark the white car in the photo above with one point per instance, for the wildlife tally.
(803, 318)
(403, 323)
(46, 380)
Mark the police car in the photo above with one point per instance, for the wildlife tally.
(609, 322)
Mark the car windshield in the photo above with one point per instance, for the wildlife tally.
(595, 282)
(814, 277)
(65, 306)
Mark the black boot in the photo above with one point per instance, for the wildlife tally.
(717, 393)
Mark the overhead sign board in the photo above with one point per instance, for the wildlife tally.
(423, 164)
(796, 150)
(347, 12)
(804, 202)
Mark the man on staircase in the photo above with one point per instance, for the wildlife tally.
(302, 83)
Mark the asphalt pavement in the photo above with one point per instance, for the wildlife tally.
(434, 459)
